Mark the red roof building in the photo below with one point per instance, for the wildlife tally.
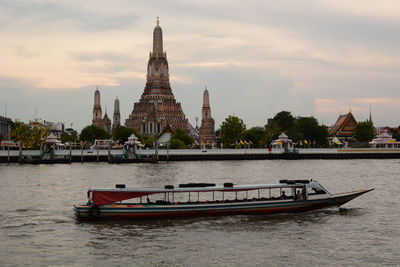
(344, 127)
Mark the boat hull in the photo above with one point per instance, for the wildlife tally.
(146, 211)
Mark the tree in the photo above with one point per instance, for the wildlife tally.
(68, 138)
(311, 130)
(322, 135)
(177, 144)
(285, 120)
(122, 134)
(282, 122)
(31, 135)
(232, 130)
(20, 132)
(146, 140)
(272, 131)
(395, 133)
(297, 129)
(256, 135)
(92, 132)
(183, 136)
(364, 131)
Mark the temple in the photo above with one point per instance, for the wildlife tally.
(207, 128)
(344, 127)
(98, 121)
(157, 106)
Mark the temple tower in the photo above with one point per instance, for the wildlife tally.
(116, 116)
(207, 128)
(97, 114)
(157, 106)
(106, 123)
(370, 114)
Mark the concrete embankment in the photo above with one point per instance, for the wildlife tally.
(115, 156)
(286, 156)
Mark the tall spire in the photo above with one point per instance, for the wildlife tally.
(157, 40)
(97, 97)
(206, 133)
(97, 114)
(116, 115)
(206, 98)
(370, 114)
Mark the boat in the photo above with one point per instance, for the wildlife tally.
(208, 199)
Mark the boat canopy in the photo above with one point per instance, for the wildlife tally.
(100, 197)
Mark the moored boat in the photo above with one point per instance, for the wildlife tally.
(205, 199)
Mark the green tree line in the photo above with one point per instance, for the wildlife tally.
(233, 130)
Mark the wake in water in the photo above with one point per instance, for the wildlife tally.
(32, 220)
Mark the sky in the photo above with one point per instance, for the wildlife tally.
(257, 58)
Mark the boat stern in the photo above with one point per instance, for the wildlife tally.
(82, 211)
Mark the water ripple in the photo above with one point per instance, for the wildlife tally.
(37, 220)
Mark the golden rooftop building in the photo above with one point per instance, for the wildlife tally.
(157, 106)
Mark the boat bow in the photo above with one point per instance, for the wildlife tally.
(343, 198)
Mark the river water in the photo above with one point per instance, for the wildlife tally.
(38, 227)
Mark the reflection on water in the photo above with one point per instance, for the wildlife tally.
(38, 227)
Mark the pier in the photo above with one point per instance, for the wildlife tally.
(148, 155)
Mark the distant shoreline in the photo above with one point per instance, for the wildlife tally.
(116, 156)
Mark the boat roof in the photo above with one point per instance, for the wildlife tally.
(101, 196)
(199, 189)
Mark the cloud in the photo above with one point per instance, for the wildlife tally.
(249, 93)
(256, 57)
(384, 110)
(47, 12)
(386, 10)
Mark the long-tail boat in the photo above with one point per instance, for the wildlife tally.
(205, 199)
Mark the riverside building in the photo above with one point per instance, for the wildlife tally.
(5, 128)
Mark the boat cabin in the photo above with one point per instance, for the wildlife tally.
(207, 193)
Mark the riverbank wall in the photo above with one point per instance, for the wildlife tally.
(116, 156)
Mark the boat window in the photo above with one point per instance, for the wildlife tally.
(229, 195)
(204, 197)
(222, 196)
(181, 197)
(317, 190)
